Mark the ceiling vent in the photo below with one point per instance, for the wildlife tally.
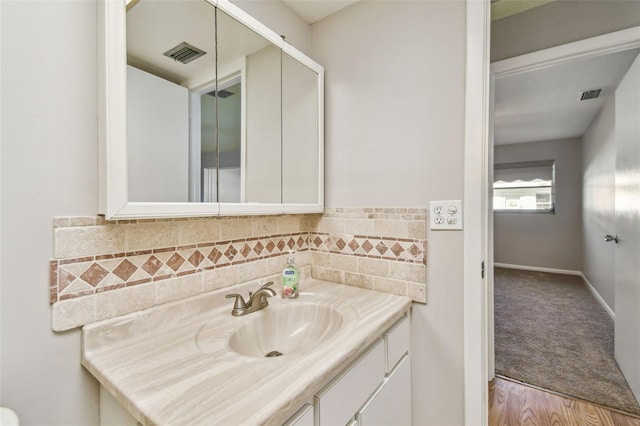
(184, 53)
(221, 94)
(590, 94)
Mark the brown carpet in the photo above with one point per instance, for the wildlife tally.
(551, 332)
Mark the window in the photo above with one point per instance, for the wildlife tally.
(524, 187)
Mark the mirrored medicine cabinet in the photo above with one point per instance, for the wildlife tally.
(205, 112)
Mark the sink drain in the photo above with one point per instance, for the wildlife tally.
(273, 353)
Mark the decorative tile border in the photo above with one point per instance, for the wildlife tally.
(108, 268)
(83, 276)
(387, 248)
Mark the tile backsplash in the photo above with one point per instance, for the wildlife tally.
(108, 268)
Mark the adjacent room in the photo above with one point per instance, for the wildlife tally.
(557, 202)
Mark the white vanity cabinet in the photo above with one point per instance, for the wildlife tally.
(303, 417)
(375, 389)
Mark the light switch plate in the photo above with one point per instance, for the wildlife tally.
(445, 215)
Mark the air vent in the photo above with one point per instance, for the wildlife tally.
(590, 94)
(184, 53)
(221, 94)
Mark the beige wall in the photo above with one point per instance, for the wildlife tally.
(560, 22)
(540, 239)
(598, 193)
(49, 158)
(49, 110)
(394, 137)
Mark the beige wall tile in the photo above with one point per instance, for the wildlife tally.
(359, 227)
(331, 275)
(387, 285)
(145, 236)
(178, 288)
(263, 226)
(234, 228)
(417, 292)
(198, 231)
(113, 303)
(71, 313)
(375, 267)
(251, 270)
(88, 241)
(417, 229)
(320, 259)
(219, 278)
(275, 265)
(331, 225)
(309, 222)
(408, 271)
(392, 228)
(358, 280)
(343, 262)
(288, 224)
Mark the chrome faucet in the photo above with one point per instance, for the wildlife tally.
(257, 301)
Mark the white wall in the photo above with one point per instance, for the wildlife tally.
(598, 194)
(394, 137)
(541, 239)
(157, 138)
(560, 22)
(49, 168)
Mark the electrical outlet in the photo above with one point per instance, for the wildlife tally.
(445, 215)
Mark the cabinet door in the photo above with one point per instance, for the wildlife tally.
(339, 401)
(391, 404)
(304, 417)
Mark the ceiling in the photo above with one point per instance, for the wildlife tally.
(311, 11)
(544, 104)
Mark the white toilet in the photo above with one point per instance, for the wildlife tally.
(8, 417)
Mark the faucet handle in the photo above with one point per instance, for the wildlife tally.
(239, 304)
(267, 284)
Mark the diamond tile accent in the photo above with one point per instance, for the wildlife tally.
(215, 255)
(353, 245)
(258, 248)
(270, 246)
(397, 249)
(367, 246)
(196, 258)
(341, 244)
(151, 266)
(94, 274)
(175, 261)
(245, 250)
(381, 248)
(231, 252)
(125, 269)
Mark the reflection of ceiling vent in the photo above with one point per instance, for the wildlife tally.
(590, 94)
(184, 53)
(221, 94)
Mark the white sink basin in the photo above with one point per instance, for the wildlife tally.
(291, 328)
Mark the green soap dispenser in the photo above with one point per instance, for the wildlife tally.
(290, 278)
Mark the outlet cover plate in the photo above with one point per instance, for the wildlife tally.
(445, 215)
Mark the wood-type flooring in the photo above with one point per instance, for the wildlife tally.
(512, 403)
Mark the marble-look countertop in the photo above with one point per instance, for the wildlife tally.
(155, 365)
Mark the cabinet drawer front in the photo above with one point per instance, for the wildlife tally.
(391, 405)
(398, 341)
(339, 401)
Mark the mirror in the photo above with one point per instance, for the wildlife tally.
(222, 116)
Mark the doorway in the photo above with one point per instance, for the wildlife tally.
(524, 255)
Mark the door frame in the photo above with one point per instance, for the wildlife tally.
(478, 292)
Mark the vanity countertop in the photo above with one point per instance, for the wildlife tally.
(172, 364)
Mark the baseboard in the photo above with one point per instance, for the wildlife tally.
(599, 298)
(538, 269)
(566, 272)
